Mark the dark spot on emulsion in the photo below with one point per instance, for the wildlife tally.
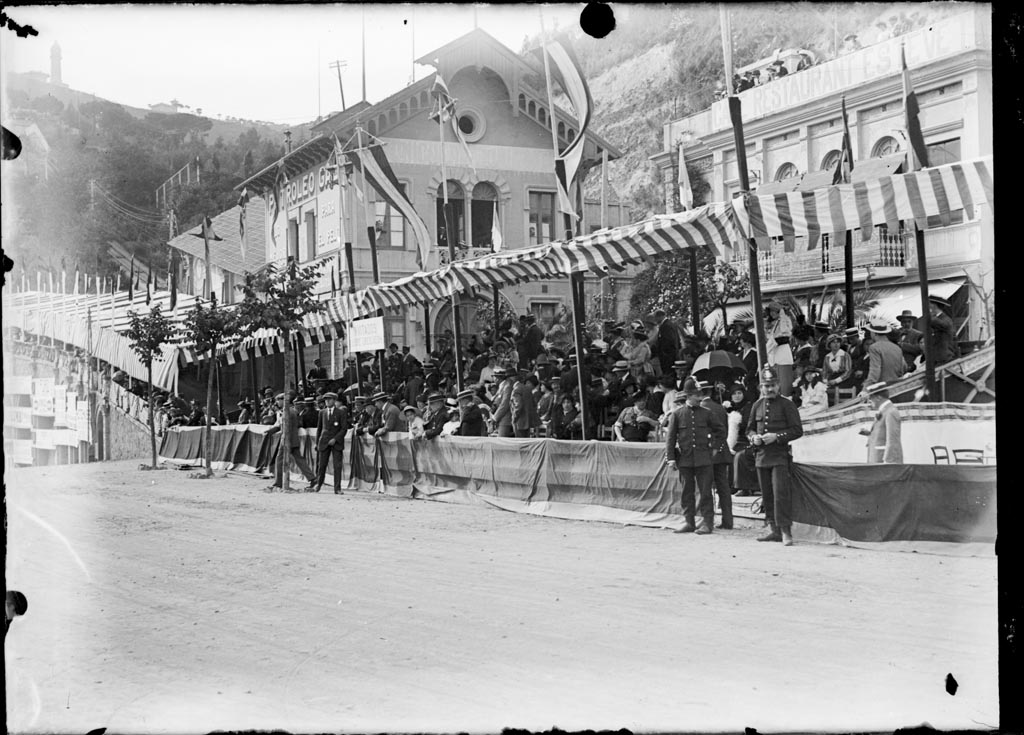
(597, 20)
(951, 685)
(12, 145)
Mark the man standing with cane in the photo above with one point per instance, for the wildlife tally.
(774, 423)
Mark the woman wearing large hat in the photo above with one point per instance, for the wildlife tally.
(837, 365)
(638, 353)
(778, 329)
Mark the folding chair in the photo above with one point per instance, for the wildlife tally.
(968, 456)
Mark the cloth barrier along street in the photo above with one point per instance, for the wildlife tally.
(857, 504)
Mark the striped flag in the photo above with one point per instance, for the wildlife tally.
(683, 181)
(844, 166)
(445, 111)
(382, 178)
(566, 71)
(917, 156)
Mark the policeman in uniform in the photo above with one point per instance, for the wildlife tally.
(721, 457)
(332, 424)
(693, 434)
(774, 423)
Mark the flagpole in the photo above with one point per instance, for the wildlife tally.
(350, 231)
(206, 254)
(914, 136)
(450, 237)
(371, 234)
(604, 225)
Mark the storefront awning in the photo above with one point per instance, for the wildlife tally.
(894, 300)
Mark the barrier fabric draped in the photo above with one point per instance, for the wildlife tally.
(629, 483)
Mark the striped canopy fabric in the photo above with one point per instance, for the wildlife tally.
(932, 192)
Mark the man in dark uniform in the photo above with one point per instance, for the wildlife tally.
(332, 424)
(721, 457)
(532, 339)
(409, 362)
(471, 418)
(438, 416)
(774, 423)
(693, 433)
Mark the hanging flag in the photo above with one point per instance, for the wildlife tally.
(334, 284)
(495, 230)
(382, 178)
(566, 71)
(76, 280)
(277, 200)
(445, 112)
(917, 156)
(206, 231)
(844, 166)
(149, 285)
(131, 281)
(243, 200)
(172, 278)
(683, 181)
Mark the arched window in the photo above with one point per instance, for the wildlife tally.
(786, 171)
(542, 116)
(392, 117)
(828, 163)
(485, 197)
(403, 111)
(372, 127)
(532, 109)
(522, 102)
(456, 215)
(382, 122)
(561, 130)
(885, 147)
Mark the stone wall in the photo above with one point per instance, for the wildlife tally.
(128, 438)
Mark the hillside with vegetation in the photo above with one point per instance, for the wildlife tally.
(104, 164)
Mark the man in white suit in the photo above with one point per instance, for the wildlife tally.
(884, 445)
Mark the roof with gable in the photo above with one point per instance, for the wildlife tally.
(227, 253)
(343, 123)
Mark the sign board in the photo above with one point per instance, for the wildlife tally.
(18, 385)
(60, 405)
(367, 335)
(82, 420)
(22, 451)
(66, 437)
(71, 411)
(45, 438)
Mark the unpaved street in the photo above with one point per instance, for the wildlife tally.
(159, 603)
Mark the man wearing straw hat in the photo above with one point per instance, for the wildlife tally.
(884, 443)
(885, 358)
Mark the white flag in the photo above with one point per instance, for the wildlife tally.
(685, 192)
(496, 230)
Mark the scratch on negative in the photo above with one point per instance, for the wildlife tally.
(62, 537)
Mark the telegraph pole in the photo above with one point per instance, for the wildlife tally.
(339, 65)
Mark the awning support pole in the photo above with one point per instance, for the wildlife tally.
(926, 317)
(848, 271)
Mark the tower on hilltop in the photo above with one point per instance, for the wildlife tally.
(55, 75)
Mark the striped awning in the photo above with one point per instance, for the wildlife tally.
(932, 192)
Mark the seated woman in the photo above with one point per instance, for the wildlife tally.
(813, 392)
(635, 423)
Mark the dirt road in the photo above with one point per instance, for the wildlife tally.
(159, 603)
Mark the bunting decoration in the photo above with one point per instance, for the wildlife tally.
(379, 173)
(445, 112)
(566, 71)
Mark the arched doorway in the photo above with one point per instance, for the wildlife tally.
(476, 314)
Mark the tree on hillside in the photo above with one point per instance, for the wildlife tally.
(278, 299)
(147, 336)
(209, 328)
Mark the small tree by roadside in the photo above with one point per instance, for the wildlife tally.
(279, 298)
(148, 334)
(210, 327)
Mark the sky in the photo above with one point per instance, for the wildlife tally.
(258, 62)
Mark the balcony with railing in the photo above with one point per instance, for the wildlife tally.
(887, 254)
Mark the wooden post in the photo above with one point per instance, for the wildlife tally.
(735, 112)
(848, 268)
(694, 299)
(926, 317)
